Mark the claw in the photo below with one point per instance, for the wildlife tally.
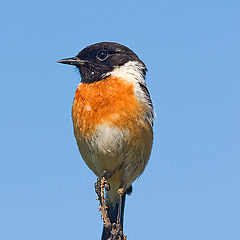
(121, 191)
(107, 186)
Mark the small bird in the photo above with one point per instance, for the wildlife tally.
(112, 117)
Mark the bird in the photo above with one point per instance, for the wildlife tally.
(112, 116)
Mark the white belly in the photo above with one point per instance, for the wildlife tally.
(104, 150)
(116, 151)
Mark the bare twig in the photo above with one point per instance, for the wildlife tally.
(99, 188)
(114, 228)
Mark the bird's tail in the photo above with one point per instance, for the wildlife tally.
(112, 214)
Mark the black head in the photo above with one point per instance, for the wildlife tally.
(96, 61)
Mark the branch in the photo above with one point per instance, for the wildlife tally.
(114, 228)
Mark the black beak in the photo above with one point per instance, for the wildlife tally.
(73, 61)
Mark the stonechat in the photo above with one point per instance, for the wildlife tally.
(112, 117)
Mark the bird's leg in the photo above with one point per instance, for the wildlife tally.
(120, 192)
(107, 175)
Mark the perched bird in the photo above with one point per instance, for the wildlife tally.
(112, 118)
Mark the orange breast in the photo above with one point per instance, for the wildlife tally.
(110, 101)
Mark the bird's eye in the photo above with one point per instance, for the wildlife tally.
(102, 55)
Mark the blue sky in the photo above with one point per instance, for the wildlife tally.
(190, 188)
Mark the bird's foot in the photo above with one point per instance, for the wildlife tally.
(105, 176)
(121, 191)
(107, 186)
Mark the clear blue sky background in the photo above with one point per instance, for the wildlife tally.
(190, 189)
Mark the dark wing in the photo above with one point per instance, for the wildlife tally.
(150, 114)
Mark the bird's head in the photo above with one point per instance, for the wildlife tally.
(101, 60)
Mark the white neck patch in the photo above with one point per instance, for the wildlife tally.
(131, 71)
